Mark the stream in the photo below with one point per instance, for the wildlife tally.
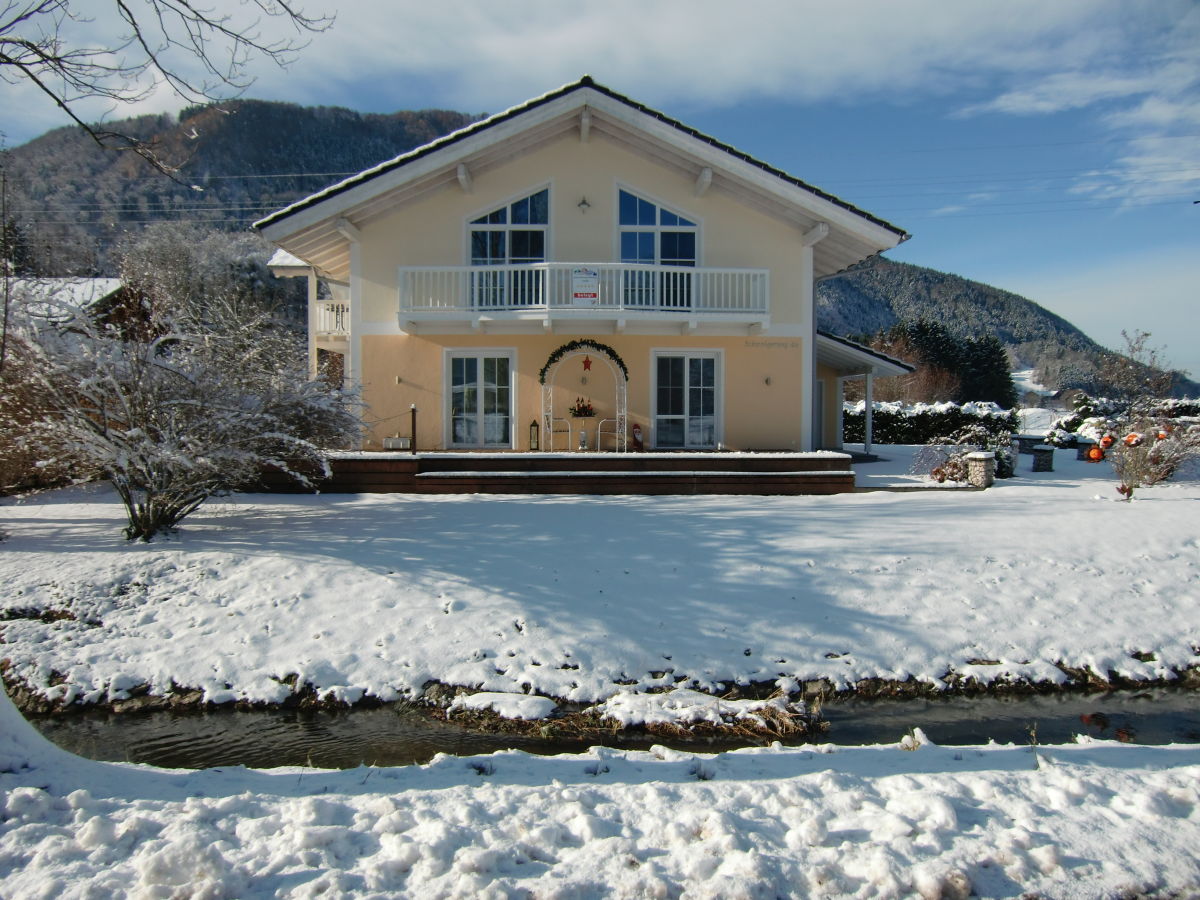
(403, 735)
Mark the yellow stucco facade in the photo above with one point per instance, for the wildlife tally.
(759, 375)
(758, 405)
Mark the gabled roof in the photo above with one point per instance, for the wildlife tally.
(311, 227)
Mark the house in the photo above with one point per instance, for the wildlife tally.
(582, 271)
(60, 299)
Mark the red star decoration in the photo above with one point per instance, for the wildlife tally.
(587, 364)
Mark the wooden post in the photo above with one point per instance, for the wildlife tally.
(412, 440)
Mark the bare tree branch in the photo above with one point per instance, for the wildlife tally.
(160, 44)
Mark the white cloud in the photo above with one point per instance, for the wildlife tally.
(1021, 54)
(472, 55)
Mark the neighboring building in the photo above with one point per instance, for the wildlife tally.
(60, 299)
(667, 276)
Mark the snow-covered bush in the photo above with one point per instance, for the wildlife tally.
(1088, 418)
(1146, 439)
(171, 408)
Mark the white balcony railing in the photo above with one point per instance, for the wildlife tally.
(333, 317)
(602, 287)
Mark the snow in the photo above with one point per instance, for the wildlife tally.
(569, 595)
(1089, 819)
(683, 706)
(283, 259)
(61, 297)
(1025, 382)
(510, 706)
(379, 594)
(1035, 420)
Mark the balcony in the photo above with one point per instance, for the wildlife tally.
(333, 318)
(598, 296)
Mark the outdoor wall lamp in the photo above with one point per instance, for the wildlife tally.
(534, 435)
(583, 205)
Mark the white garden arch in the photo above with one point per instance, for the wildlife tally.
(621, 390)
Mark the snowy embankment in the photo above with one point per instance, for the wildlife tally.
(567, 596)
(1087, 820)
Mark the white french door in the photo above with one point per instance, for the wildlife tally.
(480, 398)
(687, 398)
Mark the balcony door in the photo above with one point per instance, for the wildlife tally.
(513, 236)
(686, 394)
(652, 235)
(480, 398)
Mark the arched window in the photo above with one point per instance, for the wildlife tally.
(513, 236)
(654, 236)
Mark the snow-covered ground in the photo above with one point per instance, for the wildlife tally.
(1086, 820)
(381, 593)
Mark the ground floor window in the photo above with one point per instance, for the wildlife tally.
(480, 399)
(686, 400)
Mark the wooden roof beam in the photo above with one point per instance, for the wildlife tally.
(815, 235)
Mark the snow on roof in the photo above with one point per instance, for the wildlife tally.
(62, 297)
(282, 259)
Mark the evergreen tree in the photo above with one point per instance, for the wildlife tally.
(986, 376)
(18, 256)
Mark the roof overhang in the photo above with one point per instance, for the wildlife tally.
(316, 229)
(850, 358)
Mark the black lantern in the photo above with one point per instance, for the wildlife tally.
(534, 432)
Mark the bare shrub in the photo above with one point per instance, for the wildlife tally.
(1147, 451)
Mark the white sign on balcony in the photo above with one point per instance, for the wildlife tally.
(585, 286)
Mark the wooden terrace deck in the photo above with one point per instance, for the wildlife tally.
(583, 473)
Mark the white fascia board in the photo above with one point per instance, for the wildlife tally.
(838, 354)
(722, 161)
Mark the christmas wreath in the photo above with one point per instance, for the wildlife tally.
(582, 344)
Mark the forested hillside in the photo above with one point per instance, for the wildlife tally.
(69, 201)
(884, 293)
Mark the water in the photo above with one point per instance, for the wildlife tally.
(1155, 716)
(400, 735)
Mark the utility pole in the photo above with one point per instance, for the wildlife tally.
(4, 261)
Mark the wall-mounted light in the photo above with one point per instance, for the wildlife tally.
(583, 205)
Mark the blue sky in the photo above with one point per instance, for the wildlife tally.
(1049, 148)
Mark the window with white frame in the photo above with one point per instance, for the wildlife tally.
(687, 386)
(652, 235)
(513, 236)
(480, 398)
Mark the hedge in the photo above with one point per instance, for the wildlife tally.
(923, 423)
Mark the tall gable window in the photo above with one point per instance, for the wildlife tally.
(653, 236)
(513, 236)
